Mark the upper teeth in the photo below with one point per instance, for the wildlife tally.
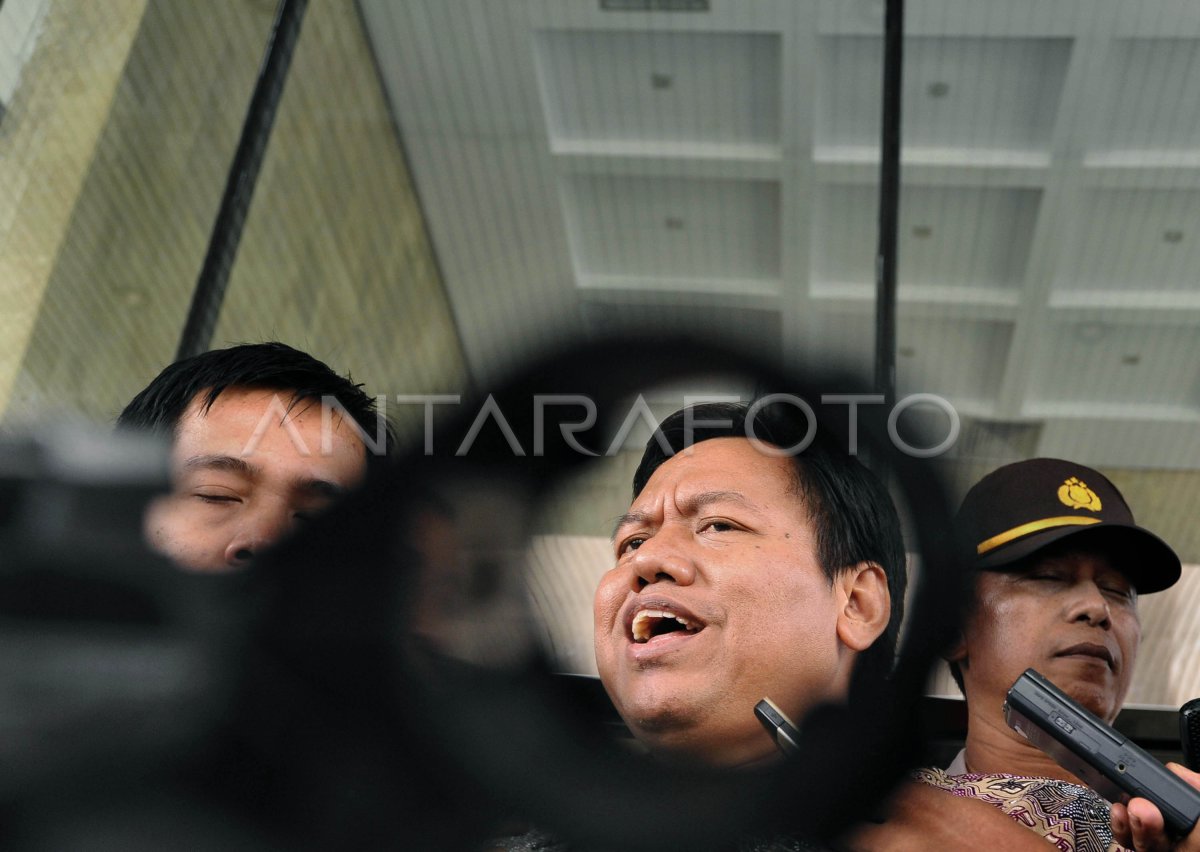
(645, 620)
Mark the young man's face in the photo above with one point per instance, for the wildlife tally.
(1069, 614)
(721, 538)
(244, 474)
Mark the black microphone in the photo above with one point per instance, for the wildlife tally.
(1189, 733)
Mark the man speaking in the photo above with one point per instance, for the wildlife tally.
(742, 573)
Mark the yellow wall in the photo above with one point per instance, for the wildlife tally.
(48, 136)
(334, 258)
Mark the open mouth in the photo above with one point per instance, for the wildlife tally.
(649, 623)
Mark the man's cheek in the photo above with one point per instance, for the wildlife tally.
(605, 606)
(156, 521)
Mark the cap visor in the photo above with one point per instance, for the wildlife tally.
(1146, 559)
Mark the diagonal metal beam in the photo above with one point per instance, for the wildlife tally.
(243, 175)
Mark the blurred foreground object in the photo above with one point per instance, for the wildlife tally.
(375, 681)
(399, 608)
(72, 494)
(107, 671)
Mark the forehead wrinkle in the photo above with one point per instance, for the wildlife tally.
(693, 503)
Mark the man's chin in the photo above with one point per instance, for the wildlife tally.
(681, 747)
(685, 736)
(1094, 695)
(660, 719)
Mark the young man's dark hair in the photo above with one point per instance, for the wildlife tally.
(261, 366)
(262, 437)
(850, 509)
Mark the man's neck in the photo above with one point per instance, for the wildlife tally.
(995, 748)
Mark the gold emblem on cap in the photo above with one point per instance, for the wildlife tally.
(1075, 494)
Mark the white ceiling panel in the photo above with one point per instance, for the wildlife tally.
(989, 93)
(1150, 102)
(845, 233)
(1135, 442)
(1119, 365)
(667, 227)
(969, 237)
(461, 68)
(660, 87)
(1144, 239)
(962, 361)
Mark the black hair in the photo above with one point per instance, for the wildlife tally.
(851, 511)
(266, 366)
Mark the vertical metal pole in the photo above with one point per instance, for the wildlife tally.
(243, 175)
(889, 203)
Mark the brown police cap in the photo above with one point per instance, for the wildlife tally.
(1023, 507)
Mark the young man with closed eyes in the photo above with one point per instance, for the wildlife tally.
(263, 436)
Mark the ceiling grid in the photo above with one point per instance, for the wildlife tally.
(1058, 204)
(586, 171)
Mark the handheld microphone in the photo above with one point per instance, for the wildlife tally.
(1104, 759)
(1189, 733)
(779, 726)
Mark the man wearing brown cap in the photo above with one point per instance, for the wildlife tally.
(1060, 565)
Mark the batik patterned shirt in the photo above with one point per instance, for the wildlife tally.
(1072, 817)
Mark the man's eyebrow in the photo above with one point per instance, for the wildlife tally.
(627, 519)
(690, 506)
(696, 502)
(241, 467)
(232, 464)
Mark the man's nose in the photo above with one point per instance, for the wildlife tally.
(663, 558)
(1089, 604)
(260, 528)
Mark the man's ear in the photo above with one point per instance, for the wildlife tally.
(866, 605)
(957, 652)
